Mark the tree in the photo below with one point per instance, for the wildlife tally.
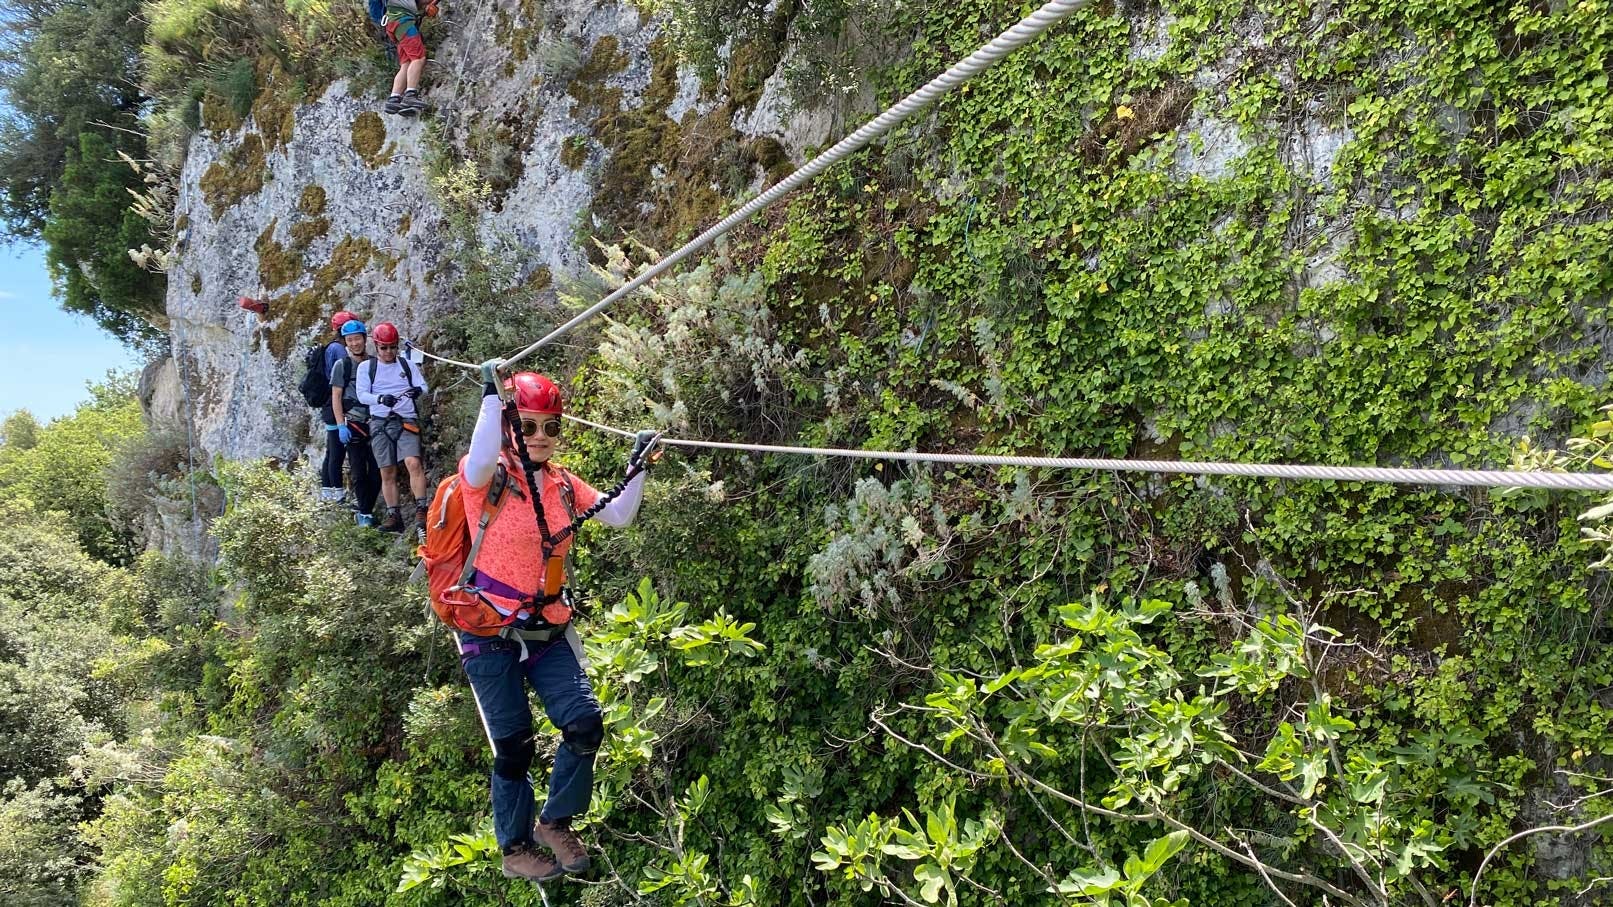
(70, 66)
(65, 471)
(90, 232)
(20, 431)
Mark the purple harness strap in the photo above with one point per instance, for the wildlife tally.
(473, 649)
(498, 587)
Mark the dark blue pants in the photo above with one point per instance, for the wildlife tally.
(330, 475)
(498, 679)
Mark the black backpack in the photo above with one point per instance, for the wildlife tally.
(315, 386)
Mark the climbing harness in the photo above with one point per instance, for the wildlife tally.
(554, 603)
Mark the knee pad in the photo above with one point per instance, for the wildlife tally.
(585, 734)
(512, 755)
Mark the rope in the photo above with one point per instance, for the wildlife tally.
(409, 345)
(979, 61)
(1488, 478)
(597, 426)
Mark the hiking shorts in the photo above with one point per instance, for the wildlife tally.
(404, 30)
(393, 440)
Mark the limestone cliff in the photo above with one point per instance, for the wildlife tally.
(327, 204)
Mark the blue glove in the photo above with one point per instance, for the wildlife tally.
(345, 433)
(387, 400)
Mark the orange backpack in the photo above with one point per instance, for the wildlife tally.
(448, 557)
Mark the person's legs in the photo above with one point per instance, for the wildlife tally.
(417, 480)
(496, 676)
(330, 473)
(560, 679)
(385, 438)
(568, 700)
(366, 482)
(412, 71)
(400, 82)
(389, 485)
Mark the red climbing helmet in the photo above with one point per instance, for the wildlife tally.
(386, 332)
(534, 393)
(341, 318)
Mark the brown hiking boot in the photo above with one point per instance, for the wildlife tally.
(523, 861)
(564, 842)
(393, 522)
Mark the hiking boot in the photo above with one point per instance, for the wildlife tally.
(412, 103)
(567, 847)
(523, 861)
(393, 522)
(393, 104)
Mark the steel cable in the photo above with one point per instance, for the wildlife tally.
(1489, 478)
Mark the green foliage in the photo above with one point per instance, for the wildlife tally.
(19, 432)
(1251, 231)
(65, 469)
(63, 687)
(41, 856)
(71, 81)
(89, 234)
(1082, 253)
(70, 68)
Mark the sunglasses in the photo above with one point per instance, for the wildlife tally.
(550, 428)
(386, 346)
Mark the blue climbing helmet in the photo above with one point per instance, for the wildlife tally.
(353, 327)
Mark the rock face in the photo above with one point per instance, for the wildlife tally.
(329, 205)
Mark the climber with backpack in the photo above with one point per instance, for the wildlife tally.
(401, 19)
(353, 422)
(315, 389)
(389, 387)
(495, 556)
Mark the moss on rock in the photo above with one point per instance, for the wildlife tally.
(240, 173)
(312, 200)
(303, 233)
(369, 139)
(296, 313)
(274, 106)
(278, 265)
(574, 152)
(218, 115)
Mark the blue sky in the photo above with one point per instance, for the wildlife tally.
(46, 355)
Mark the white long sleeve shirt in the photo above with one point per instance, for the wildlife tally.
(390, 378)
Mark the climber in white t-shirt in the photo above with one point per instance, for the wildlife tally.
(389, 386)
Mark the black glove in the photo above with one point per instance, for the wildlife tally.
(641, 444)
(412, 393)
(387, 400)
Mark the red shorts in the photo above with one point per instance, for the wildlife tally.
(410, 47)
